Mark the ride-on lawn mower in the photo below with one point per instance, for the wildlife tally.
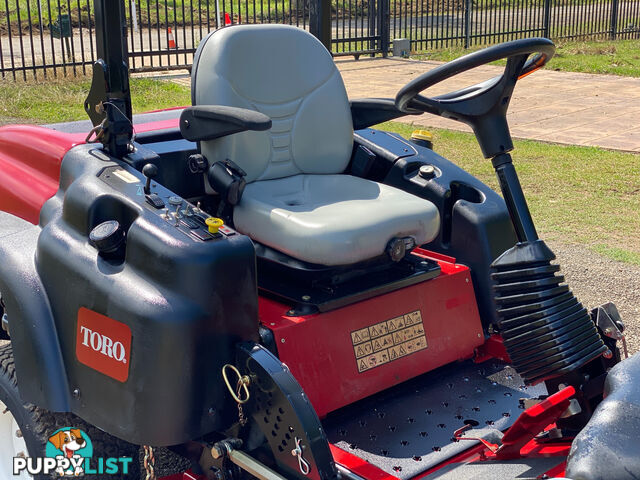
(270, 288)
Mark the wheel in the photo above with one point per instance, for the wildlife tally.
(26, 431)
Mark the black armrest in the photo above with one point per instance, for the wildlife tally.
(206, 122)
(367, 112)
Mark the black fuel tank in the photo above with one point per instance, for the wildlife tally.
(182, 298)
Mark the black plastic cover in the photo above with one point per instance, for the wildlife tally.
(186, 299)
(475, 224)
(36, 350)
(546, 330)
(608, 448)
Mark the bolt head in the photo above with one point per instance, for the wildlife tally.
(216, 452)
(76, 393)
(282, 340)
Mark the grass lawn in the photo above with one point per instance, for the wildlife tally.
(620, 57)
(576, 194)
(61, 100)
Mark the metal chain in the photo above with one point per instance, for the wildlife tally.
(243, 384)
(149, 463)
(241, 418)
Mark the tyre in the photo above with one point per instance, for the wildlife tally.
(25, 430)
(3, 333)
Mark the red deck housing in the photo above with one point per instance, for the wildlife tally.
(30, 158)
(326, 357)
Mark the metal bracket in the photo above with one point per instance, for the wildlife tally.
(529, 424)
(280, 409)
(228, 449)
(608, 320)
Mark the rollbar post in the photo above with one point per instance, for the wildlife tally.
(514, 198)
(111, 41)
(109, 101)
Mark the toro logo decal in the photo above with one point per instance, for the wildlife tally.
(103, 344)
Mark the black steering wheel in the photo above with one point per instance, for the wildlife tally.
(482, 106)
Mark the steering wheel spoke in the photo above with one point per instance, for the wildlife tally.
(482, 106)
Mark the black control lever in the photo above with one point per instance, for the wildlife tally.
(150, 171)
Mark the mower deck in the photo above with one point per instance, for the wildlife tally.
(407, 430)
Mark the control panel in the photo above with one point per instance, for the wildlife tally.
(189, 219)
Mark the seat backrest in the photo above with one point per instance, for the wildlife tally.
(287, 74)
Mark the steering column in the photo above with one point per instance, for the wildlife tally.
(547, 332)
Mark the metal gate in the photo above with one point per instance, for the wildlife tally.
(359, 27)
(56, 37)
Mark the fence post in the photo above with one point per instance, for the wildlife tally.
(547, 18)
(320, 21)
(614, 19)
(384, 26)
(467, 23)
(372, 15)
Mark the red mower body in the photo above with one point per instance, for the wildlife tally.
(30, 158)
(345, 355)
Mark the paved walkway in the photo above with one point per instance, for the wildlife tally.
(562, 107)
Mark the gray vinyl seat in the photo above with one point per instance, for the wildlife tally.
(297, 199)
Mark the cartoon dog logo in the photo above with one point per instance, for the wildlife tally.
(70, 441)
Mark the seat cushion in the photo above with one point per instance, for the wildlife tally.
(332, 219)
(287, 74)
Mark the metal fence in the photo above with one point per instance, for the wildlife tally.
(55, 37)
(480, 22)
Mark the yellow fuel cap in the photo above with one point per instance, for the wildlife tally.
(424, 138)
(214, 224)
(422, 135)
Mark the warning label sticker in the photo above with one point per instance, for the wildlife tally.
(387, 341)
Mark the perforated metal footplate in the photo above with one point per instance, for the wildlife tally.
(409, 428)
(521, 469)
